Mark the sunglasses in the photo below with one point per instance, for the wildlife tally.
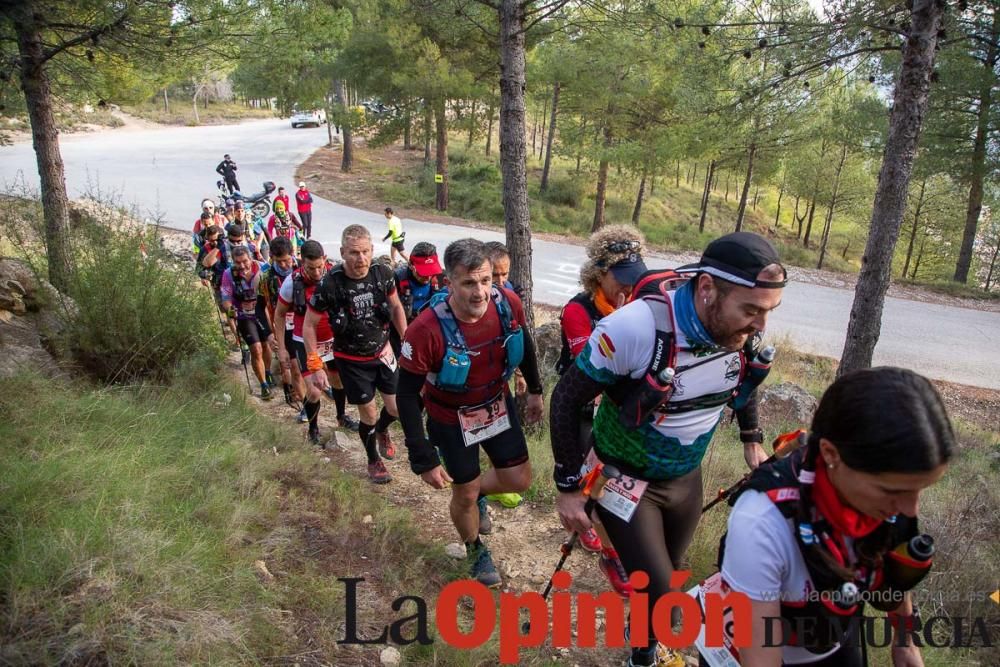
(623, 246)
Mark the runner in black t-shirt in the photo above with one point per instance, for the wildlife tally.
(361, 301)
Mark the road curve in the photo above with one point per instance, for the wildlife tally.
(164, 172)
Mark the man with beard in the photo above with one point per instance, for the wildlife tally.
(707, 331)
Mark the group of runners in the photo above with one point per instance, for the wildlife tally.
(650, 363)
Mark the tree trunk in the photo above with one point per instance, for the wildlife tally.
(534, 131)
(489, 128)
(847, 246)
(441, 166)
(908, 111)
(407, 130)
(548, 139)
(346, 140)
(694, 174)
(993, 264)
(833, 206)
(517, 218)
(741, 211)
(166, 101)
(798, 219)
(916, 225)
(756, 195)
(687, 176)
(920, 256)
(704, 196)
(545, 120)
(975, 206)
(727, 184)
(781, 192)
(652, 184)
(638, 199)
(472, 125)
(809, 223)
(45, 141)
(428, 122)
(602, 183)
(194, 103)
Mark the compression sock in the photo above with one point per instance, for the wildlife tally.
(384, 420)
(312, 413)
(340, 400)
(367, 433)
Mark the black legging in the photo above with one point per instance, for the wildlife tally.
(307, 223)
(232, 184)
(659, 534)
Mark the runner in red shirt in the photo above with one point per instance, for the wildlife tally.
(460, 353)
(304, 205)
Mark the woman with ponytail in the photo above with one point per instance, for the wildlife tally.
(817, 534)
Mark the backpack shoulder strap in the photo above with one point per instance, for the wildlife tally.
(449, 325)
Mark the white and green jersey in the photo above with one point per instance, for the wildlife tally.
(673, 440)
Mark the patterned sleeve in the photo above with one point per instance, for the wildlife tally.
(620, 346)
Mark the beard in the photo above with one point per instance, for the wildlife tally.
(724, 335)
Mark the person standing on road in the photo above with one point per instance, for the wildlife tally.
(656, 431)
(304, 204)
(359, 300)
(240, 284)
(227, 169)
(282, 196)
(395, 236)
(459, 354)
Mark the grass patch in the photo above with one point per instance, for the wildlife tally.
(182, 113)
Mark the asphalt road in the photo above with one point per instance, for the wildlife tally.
(165, 172)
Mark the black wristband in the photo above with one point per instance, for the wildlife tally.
(538, 391)
(752, 435)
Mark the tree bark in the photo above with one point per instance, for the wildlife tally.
(45, 141)
(756, 195)
(166, 101)
(809, 223)
(741, 211)
(517, 218)
(441, 165)
(194, 102)
(428, 122)
(704, 196)
(728, 172)
(545, 120)
(407, 130)
(489, 128)
(677, 177)
(975, 206)
(908, 111)
(472, 125)
(638, 198)
(920, 256)
(549, 139)
(781, 192)
(993, 264)
(833, 206)
(602, 183)
(916, 225)
(346, 138)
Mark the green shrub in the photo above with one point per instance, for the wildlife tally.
(566, 191)
(137, 317)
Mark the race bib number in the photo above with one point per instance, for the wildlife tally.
(482, 422)
(289, 321)
(388, 358)
(621, 496)
(325, 350)
(716, 656)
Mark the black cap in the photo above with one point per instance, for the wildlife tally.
(628, 269)
(738, 258)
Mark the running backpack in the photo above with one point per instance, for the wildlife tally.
(457, 361)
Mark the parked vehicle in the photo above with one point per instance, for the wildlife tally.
(258, 203)
(315, 117)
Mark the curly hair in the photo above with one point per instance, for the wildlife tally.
(600, 255)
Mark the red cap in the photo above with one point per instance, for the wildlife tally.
(425, 266)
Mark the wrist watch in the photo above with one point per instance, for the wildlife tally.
(752, 435)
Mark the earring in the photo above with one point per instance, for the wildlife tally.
(706, 301)
(830, 466)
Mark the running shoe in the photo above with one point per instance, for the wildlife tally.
(590, 541)
(348, 422)
(378, 474)
(386, 448)
(613, 569)
(482, 568)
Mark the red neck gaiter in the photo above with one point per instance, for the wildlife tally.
(845, 520)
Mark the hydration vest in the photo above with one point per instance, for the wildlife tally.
(565, 356)
(457, 361)
(779, 480)
(655, 294)
(404, 285)
(243, 289)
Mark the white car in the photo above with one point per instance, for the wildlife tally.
(316, 117)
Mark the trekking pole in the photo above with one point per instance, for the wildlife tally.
(593, 488)
(222, 324)
(783, 445)
(244, 353)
